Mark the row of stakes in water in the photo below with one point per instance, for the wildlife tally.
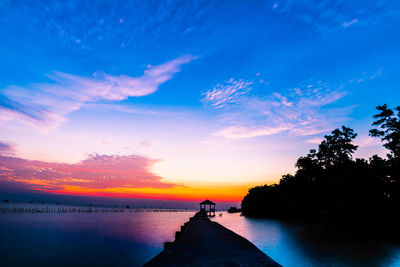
(77, 210)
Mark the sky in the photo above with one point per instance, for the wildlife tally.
(185, 100)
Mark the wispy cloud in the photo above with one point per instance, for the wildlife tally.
(365, 141)
(347, 24)
(314, 140)
(378, 73)
(6, 149)
(46, 105)
(237, 132)
(228, 93)
(96, 173)
(126, 28)
(367, 76)
(332, 15)
(299, 111)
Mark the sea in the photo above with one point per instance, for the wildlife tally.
(131, 237)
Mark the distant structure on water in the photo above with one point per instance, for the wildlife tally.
(211, 207)
(234, 210)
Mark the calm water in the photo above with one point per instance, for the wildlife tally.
(131, 239)
(291, 245)
(86, 239)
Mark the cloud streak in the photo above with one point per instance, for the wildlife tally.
(46, 105)
(347, 24)
(332, 15)
(301, 111)
(98, 172)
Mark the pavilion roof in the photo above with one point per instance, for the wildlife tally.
(207, 202)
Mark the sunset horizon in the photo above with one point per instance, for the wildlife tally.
(108, 105)
(199, 133)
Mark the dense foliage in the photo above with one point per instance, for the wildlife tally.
(331, 187)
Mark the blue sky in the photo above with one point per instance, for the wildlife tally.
(222, 92)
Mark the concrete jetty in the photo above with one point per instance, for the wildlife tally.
(202, 242)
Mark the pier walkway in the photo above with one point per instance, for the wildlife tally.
(202, 242)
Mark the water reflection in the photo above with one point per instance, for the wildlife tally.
(293, 245)
(131, 239)
(95, 239)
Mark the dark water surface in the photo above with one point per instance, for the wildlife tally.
(292, 245)
(131, 239)
(86, 239)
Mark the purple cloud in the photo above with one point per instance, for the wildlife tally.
(96, 172)
(6, 149)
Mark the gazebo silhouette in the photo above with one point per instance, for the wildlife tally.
(211, 207)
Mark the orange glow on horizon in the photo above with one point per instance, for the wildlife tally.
(224, 194)
(114, 176)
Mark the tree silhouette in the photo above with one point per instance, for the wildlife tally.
(388, 122)
(338, 147)
(389, 129)
(345, 195)
(335, 149)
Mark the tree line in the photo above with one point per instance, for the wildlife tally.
(341, 192)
